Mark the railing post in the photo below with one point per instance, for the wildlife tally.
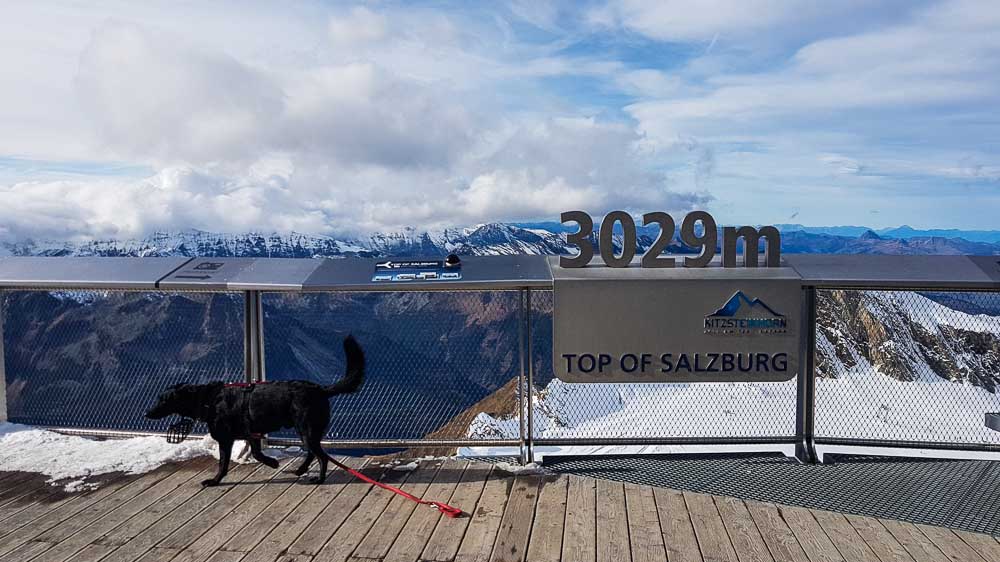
(521, 388)
(530, 437)
(3, 361)
(805, 414)
(253, 337)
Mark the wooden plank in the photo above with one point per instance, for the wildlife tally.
(545, 542)
(844, 537)
(142, 521)
(811, 537)
(69, 545)
(915, 543)
(645, 536)
(879, 539)
(106, 506)
(515, 527)
(247, 538)
(580, 534)
(354, 497)
(86, 510)
(477, 544)
(778, 537)
(20, 486)
(226, 517)
(289, 529)
(743, 533)
(413, 539)
(295, 558)
(985, 545)
(159, 555)
(442, 546)
(386, 528)
(43, 509)
(92, 553)
(141, 543)
(675, 523)
(612, 522)
(949, 543)
(28, 551)
(227, 556)
(44, 496)
(713, 540)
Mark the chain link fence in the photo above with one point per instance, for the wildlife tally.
(892, 367)
(98, 359)
(907, 366)
(436, 361)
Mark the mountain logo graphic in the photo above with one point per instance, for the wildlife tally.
(741, 315)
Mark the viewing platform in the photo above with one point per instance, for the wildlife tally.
(262, 515)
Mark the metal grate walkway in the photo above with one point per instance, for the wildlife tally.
(960, 494)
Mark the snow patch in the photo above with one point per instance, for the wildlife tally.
(517, 469)
(69, 460)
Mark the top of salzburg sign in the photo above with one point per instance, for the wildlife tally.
(704, 238)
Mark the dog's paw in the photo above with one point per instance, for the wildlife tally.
(210, 482)
(270, 462)
(317, 480)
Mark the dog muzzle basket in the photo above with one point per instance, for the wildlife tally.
(178, 431)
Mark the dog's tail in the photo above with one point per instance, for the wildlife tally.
(355, 374)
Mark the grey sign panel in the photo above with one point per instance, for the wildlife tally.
(477, 272)
(86, 272)
(274, 274)
(676, 325)
(208, 274)
(990, 265)
(875, 271)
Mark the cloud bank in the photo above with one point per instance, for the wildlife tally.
(125, 119)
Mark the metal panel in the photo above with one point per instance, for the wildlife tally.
(993, 421)
(676, 325)
(990, 265)
(597, 271)
(274, 274)
(86, 272)
(206, 274)
(478, 272)
(879, 271)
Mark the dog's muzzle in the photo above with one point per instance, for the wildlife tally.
(178, 431)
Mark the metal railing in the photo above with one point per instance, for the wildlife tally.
(472, 368)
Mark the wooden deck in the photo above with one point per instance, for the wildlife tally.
(263, 516)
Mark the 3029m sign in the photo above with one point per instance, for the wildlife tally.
(706, 241)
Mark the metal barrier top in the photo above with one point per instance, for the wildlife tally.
(881, 271)
(475, 272)
(273, 274)
(86, 272)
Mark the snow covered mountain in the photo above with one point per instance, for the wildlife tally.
(486, 239)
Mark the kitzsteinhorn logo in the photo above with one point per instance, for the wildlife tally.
(742, 316)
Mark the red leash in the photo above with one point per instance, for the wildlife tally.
(444, 508)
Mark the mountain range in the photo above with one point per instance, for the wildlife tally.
(486, 239)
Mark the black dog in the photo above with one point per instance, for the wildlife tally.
(248, 412)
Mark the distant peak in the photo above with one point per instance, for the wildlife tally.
(870, 235)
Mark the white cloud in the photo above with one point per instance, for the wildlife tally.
(339, 118)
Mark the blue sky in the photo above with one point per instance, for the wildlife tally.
(118, 119)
